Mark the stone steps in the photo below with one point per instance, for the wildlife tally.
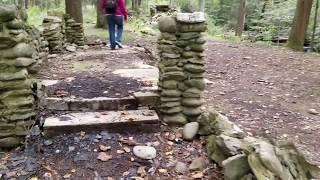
(75, 122)
(138, 99)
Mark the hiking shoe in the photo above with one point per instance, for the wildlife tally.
(119, 44)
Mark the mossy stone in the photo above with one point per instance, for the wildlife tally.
(197, 83)
(7, 13)
(194, 68)
(199, 27)
(10, 142)
(179, 119)
(178, 76)
(192, 102)
(170, 93)
(167, 24)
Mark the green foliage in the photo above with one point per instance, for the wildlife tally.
(35, 16)
(188, 5)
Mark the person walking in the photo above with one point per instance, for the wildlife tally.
(115, 12)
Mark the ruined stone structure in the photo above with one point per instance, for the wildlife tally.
(16, 94)
(244, 157)
(53, 32)
(181, 67)
(41, 47)
(74, 31)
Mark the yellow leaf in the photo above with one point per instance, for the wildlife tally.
(67, 176)
(142, 171)
(163, 171)
(82, 133)
(198, 175)
(34, 178)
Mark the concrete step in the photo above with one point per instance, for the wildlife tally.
(93, 104)
(108, 119)
(148, 99)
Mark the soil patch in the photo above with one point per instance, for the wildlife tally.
(76, 156)
(88, 73)
(86, 86)
(268, 91)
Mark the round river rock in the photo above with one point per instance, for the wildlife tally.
(145, 152)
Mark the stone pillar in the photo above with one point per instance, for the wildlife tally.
(181, 67)
(16, 94)
(74, 31)
(53, 32)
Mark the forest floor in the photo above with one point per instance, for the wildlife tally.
(271, 92)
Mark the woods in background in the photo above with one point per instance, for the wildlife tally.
(293, 22)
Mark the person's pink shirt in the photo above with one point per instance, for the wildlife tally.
(121, 8)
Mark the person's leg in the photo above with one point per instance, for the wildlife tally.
(119, 23)
(112, 30)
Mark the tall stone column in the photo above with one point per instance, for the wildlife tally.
(16, 94)
(181, 67)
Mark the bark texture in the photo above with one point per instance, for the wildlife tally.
(241, 18)
(101, 19)
(300, 24)
(74, 9)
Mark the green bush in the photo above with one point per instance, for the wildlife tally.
(36, 16)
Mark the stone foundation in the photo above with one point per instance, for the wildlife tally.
(74, 31)
(41, 47)
(244, 157)
(16, 94)
(181, 67)
(53, 32)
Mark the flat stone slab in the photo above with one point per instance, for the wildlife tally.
(94, 104)
(100, 119)
(147, 98)
(149, 74)
(196, 17)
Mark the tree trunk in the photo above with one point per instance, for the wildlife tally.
(101, 19)
(300, 24)
(74, 9)
(241, 18)
(172, 3)
(202, 5)
(315, 24)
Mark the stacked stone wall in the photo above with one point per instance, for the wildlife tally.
(181, 67)
(53, 33)
(16, 94)
(41, 47)
(74, 31)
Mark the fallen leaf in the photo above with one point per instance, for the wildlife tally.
(120, 152)
(162, 171)
(126, 149)
(104, 148)
(82, 133)
(142, 171)
(126, 173)
(67, 176)
(73, 170)
(169, 153)
(137, 178)
(34, 178)
(131, 119)
(104, 157)
(128, 142)
(197, 175)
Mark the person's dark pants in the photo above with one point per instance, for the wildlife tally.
(115, 24)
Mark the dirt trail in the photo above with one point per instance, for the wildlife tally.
(268, 91)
